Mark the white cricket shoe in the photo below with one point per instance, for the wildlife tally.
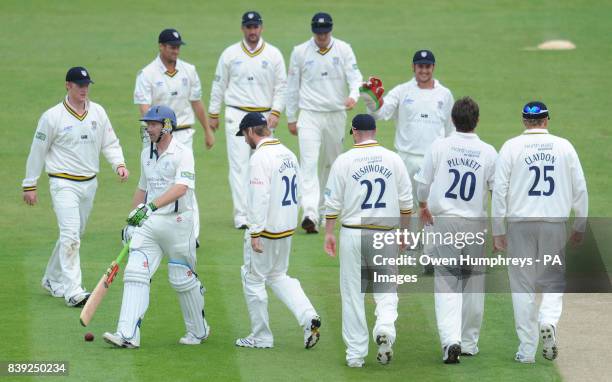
(118, 341)
(522, 359)
(78, 300)
(251, 342)
(355, 362)
(385, 352)
(192, 339)
(451, 353)
(311, 332)
(549, 342)
(57, 292)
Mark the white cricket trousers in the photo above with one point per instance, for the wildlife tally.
(72, 203)
(320, 135)
(270, 269)
(185, 137)
(171, 235)
(535, 240)
(238, 155)
(354, 324)
(459, 291)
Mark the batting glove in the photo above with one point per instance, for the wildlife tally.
(126, 233)
(141, 213)
(372, 92)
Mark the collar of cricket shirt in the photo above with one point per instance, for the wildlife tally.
(72, 110)
(535, 131)
(267, 141)
(366, 143)
(169, 150)
(253, 52)
(323, 51)
(413, 83)
(466, 135)
(163, 68)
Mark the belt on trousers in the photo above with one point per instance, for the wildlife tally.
(182, 127)
(273, 235)
(248, 108)
(368, 226)
(76, 178)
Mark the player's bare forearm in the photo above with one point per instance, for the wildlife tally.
(330, 238)
(200, 111)
(170, 196)
(138, 198)
(405, 221)
(143, 108)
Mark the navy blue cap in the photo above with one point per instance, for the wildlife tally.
(252, 119)
(170, 37)
(251, 18)
(321, 23)
(78, 75)
(535, 110)
(363, 122)
(423, 57)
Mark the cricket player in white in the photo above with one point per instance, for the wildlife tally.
(250, 76)
(273, 212)
(161, 224)
(320, 71)
(367, 182)
(421, 109)
(68, 141)
(538, 181)
(453, 190)
(175, 83)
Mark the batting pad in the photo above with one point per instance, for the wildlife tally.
(133, 307)
(191, 297)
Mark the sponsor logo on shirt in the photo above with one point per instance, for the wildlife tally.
(67, 128)
(187, 175)
(408, 101)
(40, 135)
(159, 84)
(256, 182)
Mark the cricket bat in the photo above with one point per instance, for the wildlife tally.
(100, 291)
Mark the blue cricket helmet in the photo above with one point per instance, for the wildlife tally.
(161, 114)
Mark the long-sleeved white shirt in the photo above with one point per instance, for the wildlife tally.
(158, 173)
(368, 187)
(318, 78)
(156, 86)
(538, 177)
(421, 115)
(458, 171)
(68, 145)
(273, 191)
(250, 80)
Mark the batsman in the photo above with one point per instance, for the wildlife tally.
(161, 224)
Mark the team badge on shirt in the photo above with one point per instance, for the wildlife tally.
(264, 64)
(94, 125)
(336, 60)
(185, 81)
(440, 104)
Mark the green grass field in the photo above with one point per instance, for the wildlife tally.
(479, 47)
